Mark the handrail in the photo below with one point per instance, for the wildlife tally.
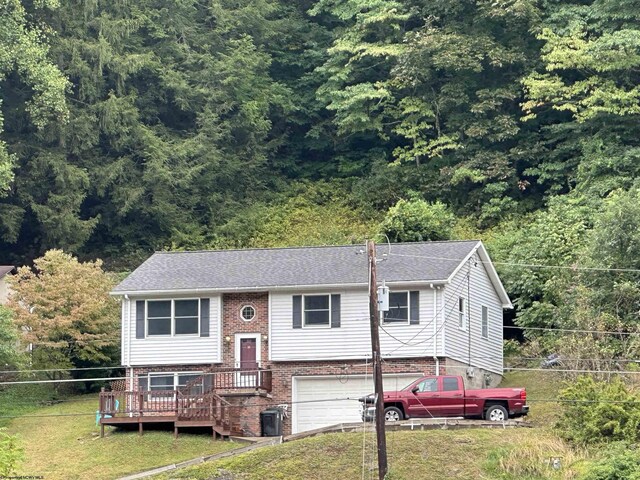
(227, 378)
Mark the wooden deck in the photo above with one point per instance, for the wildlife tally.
(198, 404)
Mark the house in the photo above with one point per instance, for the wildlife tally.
(212, 338)
(5, 270)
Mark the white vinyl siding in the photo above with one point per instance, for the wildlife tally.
(486, 353)
(353, 338)
(167, 350)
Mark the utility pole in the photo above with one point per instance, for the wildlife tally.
(377, 364)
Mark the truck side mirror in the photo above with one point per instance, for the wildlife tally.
(415, 389)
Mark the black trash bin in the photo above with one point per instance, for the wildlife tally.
(271, 422)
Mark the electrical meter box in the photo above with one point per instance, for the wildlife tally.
(383, 299)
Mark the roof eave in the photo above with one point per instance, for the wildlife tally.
(262, 288)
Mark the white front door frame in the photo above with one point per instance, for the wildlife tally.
(247, 380)
(240, 336)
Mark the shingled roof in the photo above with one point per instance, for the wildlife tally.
(271, 268)
(4, 269)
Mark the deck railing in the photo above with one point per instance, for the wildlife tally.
(199, 400)
(139, 403)
(230, 379)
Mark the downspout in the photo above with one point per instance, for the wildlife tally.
(435, 329)
(469, 308)
(128, 337)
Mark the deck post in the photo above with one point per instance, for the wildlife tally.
(101, 429)
(139, 427)
(175, 431)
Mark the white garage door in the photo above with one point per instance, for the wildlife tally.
(309, 413)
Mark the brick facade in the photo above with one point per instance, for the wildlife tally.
(251, 403)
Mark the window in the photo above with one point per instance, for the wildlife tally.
(450, 384)
(428, 385)
(173, 317)
(187, 317)
(183, 378)
(462, 316)
(485, 322)
(159, 317)
(317, 311)
(247, 313)
(398, 308)
(161, 382)
(172, 381)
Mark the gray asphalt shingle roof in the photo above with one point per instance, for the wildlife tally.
(4, 269)
(281, 267)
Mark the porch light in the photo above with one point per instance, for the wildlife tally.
(227, 339)
(265, 338)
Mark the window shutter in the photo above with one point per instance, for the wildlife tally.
(140, 318)
(204, 317)
(414, 308)
(143, 384)
(335, 311)
(297, 311)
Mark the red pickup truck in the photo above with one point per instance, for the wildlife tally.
(445, 396)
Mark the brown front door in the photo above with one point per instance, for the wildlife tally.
(248, 354)
(248, 364)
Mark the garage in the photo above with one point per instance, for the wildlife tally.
(309, 411)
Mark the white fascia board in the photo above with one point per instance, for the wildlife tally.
(204, 291)
(495, 279)
(491, 271)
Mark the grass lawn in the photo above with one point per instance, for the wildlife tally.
(542, 388)
(69, 447)
(438, 454)
(506, 454)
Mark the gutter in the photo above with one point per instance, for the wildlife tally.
(197, 291)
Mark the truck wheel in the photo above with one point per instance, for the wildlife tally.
(496, 413)
(392, 414)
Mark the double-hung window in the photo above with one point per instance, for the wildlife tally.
(173, 317)
(398, 308)
(462, 313)
(317, 310)
(485, 322)
(159, 317)
(173, 381)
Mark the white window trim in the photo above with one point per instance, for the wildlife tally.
(304, 316)
(240, 336)
(173, 318)
(166, 374)
(255, 312)
(408, 322)
(483, 309)
(462, 314)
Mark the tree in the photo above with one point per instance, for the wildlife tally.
(9, 354)
(64, 309)
(417, 221)
(24, 51)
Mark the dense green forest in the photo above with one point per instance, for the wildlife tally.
(133, 126)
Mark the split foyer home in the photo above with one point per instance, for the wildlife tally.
(213, 338)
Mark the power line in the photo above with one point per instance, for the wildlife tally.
(554, 329)
(526, 265)
(558, 370)
(60, 369)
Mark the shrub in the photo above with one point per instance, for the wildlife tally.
(619, 463)
(596, 412)
(416, 220)
(10, 453)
